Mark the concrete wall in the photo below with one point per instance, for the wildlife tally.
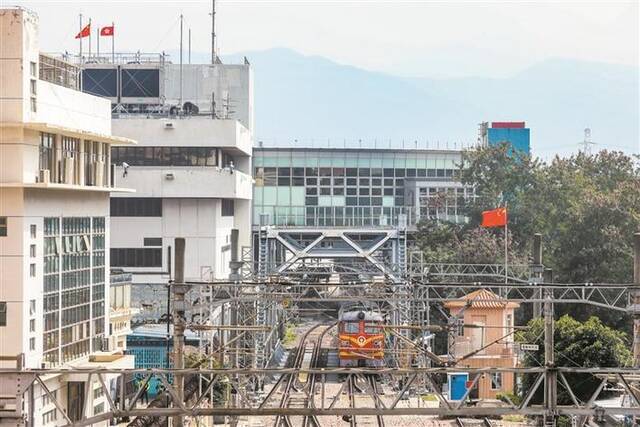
(58, 105)
(207, 236)
(182, 182)
(186, 132)
(18, 155)
(19, 46)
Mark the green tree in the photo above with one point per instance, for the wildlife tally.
(586, 344)
(501, 175)
(585, 206)
(443, 242)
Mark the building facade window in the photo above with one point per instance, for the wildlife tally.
(33, 229)
(3, 226)
(90, 148)
(98, 393)
(46, 400)
(227, 207)
(152, 241)
(344, 187)
(49, 417)
(3, 313)
(136, 206)
(47, 147)
(98, 409)
(32, 251)
(70, 147)
(165, 156)
(32, 325)
(73, 287)
(32, 344)
(496, 380)
(136, 257)
(32, 270)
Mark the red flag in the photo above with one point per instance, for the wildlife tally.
(107, 31)
(494, 218)
(85, 32)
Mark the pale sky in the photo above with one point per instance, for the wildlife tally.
(409, 38)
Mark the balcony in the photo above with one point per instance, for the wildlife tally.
(186, 182)
(188, 131)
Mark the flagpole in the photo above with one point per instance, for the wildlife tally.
(506, 253)
(113, 43)
(98, 48)
(80, 54)
(89, 38)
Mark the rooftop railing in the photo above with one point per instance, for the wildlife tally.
(370, 143)
(59, 72)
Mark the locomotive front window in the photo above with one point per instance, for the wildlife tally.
(372, 329)
(351, 327)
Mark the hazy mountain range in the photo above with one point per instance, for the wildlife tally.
(313, 98)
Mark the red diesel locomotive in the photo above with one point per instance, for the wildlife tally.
(360, 336)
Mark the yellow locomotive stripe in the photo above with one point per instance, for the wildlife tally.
(353, 354)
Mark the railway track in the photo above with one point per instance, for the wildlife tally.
(298, 389)
(312, 421)
(365, 384)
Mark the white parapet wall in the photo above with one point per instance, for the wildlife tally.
(185, 182)
(61, 106)
(187, 131)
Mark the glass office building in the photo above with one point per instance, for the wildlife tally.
(347, 187)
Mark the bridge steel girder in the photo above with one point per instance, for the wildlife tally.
(343, 234)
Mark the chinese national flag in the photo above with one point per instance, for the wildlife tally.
(494, 218)
(107, 31)
(85, 32)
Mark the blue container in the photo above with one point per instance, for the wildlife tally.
(457, 385)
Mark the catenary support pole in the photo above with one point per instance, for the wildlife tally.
(635, 301)
(551, 376)
(179, 289)
(537, 271)
(234, 275)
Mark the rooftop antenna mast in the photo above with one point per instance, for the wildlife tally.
(214, 57)
(181, 21)
(587, 143)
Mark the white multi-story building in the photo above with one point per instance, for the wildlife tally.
(191, 169)
(193, 179)
(55, 184)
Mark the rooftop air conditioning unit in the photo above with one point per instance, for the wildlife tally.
(44, 176)
(168, 125)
